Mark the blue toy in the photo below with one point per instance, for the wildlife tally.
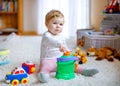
(20, 74)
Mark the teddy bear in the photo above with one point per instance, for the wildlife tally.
(106, 52)
(112, 53)
(81, 56)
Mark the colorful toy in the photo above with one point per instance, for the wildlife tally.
(66, 66)
(4, 56)
(81, 56)
(104, 53)
(20, 74)
(109, 31)
(29, 67)
(16, 76)
(113, 7)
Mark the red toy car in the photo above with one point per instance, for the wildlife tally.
(113, 7)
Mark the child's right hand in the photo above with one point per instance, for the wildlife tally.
(62, 48)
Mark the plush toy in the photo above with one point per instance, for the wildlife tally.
(117, 55)
(81, 55)
(104, 53)
(92, 51)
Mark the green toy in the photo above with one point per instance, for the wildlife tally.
(66, 66)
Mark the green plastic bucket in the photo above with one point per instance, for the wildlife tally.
(65, 67)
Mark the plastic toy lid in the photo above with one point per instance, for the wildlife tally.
(67, 59)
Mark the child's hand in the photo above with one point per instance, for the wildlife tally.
(62, 48)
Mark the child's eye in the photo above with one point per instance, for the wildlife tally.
(61, 24)
(54, 23)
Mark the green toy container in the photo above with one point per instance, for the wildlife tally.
(65, 67)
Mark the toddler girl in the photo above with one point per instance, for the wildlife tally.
(53, 46)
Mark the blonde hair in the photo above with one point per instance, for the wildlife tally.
(52, 14)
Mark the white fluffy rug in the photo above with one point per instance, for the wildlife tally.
(27, 48)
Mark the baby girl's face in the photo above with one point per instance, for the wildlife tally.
(55, 25)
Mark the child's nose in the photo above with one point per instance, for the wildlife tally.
(58, 25)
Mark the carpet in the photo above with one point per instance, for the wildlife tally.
(27, 48)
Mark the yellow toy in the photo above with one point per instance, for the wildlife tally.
(4, 56)
(81, 55)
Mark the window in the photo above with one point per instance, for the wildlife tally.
(76, 12)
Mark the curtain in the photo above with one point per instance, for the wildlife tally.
(76, 12)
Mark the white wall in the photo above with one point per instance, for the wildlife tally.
(97, 7)
(30, 15)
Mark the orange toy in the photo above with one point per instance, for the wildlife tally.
(81, 55)
(67, 53)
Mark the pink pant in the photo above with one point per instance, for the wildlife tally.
(49, 65)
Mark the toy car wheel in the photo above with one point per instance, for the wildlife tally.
(24, 81)
(15, 82)
(110, 10)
